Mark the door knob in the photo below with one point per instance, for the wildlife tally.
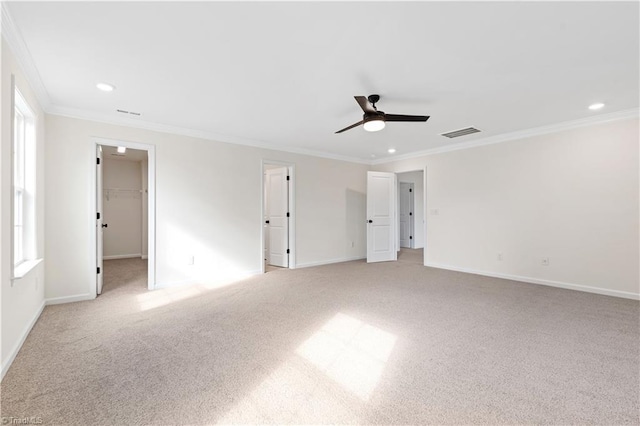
(370, 221)
(105, 225)
(266, 221)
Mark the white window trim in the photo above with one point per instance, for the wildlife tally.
(30, 259)
(22, 270)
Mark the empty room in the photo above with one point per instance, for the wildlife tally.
(391, 213)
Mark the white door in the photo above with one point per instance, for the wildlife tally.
(278, 217)
(406, 214)
(99, 219)
(381, 221)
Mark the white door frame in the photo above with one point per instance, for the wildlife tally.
(291, 168)
(151, 210)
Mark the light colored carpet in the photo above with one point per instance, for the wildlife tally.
(387, 343)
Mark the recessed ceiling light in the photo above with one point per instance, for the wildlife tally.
(391, 150)
(105, 87)
(122, 149)
(596, 106)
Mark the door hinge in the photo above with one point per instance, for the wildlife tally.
(288, 178)
(98, 269)
(98, 216)
(287, 251)
(97, 161)
(410, 214)
(411, 238)
(410, 190)
(287, 214)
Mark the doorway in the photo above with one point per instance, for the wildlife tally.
(411, 216)
(277, 217)
(405, 212)
(396, 225)
(124, 218)
(124, 221)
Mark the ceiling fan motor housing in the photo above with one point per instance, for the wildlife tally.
(372, 117)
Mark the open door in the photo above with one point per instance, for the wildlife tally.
(277, 216)
(99, 225)
(381, 221)
(406, 214)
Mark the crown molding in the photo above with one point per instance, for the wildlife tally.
(16, 43)
(183, 131)
(520, 134)
(505, 137)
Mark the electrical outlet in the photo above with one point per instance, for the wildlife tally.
(545, 261)
(500, 256)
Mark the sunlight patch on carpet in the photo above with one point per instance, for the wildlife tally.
(294, 394)
(350, 352)
(331, 377)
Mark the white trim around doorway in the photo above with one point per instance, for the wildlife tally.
(151, 211)
(291, 167)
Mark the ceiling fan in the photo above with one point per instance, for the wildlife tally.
(374, 120)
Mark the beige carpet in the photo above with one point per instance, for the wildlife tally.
(388, 343)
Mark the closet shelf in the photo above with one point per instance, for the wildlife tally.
(132, 193)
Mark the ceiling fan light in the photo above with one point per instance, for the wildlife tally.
(374, 125)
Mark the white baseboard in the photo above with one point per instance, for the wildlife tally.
(144, 257)
(550, 283)
(69, 299)
(329, 262)
(12, 355)
(122, 256)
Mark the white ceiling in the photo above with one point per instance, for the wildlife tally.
(285, 74)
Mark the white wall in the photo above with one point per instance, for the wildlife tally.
(23, 300)
(122, 208)
(207, 205)
(417, 178)
(571, 196)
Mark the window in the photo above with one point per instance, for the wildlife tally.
(23, 183)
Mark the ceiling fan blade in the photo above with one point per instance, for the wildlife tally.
(400, 117)
(365, 105)
(351, 127)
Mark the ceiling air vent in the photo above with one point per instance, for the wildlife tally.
(461, 132)
(127, 112)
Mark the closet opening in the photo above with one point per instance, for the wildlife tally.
(411, 217)
(124, 217)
